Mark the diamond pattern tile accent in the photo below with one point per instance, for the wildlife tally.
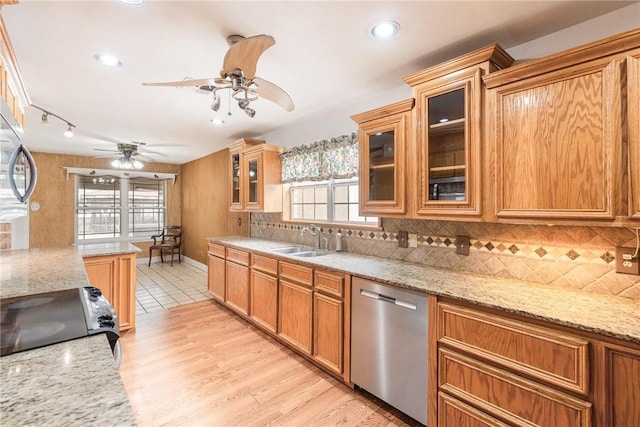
(572, 255)
(372, 234)
(429, 240)
(607, 257)
(477, 244)
(489, 246)
(384, 236)
(541, 252)
(513, 249)
(447, 242)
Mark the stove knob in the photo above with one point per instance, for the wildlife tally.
(106, 321)
(94, 293)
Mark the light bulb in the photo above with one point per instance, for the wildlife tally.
(250, 112)
(216, 103)
(243, 103)
(69, 132)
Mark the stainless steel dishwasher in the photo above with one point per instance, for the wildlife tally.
(389, 345)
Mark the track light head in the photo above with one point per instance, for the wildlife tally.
(250, 112)
(216, 103)
(45, 118)
(69, 132)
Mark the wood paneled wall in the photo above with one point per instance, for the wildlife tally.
(53, 224)
(205, 208)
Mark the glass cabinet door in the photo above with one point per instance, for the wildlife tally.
(446, 146)
(235, 179)
(252, 179)
(382, 140)
(382, 166)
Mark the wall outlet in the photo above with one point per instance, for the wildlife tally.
(462, 245)
(413, 240)
(403, 239)
(624, 262)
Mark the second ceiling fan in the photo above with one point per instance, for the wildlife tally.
(238, 76)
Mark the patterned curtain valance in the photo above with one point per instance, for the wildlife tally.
(335, 158)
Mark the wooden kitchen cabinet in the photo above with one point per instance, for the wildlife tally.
(237, 280)
(449, 122)
(216, 271)
(633, 123)
(264, 292)
(383, 141)
(558, 133)
(255, 177)
(115, 276)
(328, 320)
(295, 321)
(12, 87)
(490, 367)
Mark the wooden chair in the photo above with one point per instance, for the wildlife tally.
(169, 242)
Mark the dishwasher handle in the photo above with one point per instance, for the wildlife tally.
(390, 300)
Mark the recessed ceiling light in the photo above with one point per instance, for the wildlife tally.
(132, 2)
(109, 60)
(217, 121)
(384, 30)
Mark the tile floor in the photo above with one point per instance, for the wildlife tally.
(160, 286)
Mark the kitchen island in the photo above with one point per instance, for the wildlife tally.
(71, 383)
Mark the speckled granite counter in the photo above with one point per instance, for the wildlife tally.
(609, 315)
(72, 383)
(32, 271)
(69, 384)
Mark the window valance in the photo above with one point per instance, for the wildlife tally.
(334, 158)
(120, 173)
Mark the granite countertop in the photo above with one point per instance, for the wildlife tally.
(74, 383)
(604, 314)
(32, 271)
(70, 383)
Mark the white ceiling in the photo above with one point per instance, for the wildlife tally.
(323, 58)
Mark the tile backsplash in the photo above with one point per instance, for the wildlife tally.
(567, 256)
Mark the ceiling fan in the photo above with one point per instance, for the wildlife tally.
(127, 156)
(238, 76)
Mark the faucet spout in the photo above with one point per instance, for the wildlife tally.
(315, 232)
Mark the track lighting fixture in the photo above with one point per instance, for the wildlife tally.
(216, 103)
(45, 120)
(250, 112)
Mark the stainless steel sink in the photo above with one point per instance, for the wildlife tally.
(310, 254)
(291, 250)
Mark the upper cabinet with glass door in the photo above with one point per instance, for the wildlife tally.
(383, 136)
(255, 178)
(449, 142)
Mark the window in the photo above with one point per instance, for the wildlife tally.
(328, 201)
(110, 208)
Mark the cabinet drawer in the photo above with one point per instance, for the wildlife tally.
(264, 264)
(553, 357)
(216, 250)
(297, 273)
(331, 283)
(239, 257)
(454, 413)
(519, 401)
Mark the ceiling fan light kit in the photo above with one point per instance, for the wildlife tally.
(127, 163)
(238, 76)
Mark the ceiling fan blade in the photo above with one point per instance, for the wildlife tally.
(109, 156)
(144, 158)
(153, 153)
(273, 93)
(108, 151)
(94, 135)
(195, 82)
(244, 55)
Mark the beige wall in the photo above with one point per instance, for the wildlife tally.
(205, 208)
(53, 224)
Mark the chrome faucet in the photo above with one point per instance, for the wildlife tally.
(315, 232)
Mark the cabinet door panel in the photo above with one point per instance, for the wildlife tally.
(216, 276)
(294, 315)
(507, 396)
(558, 144)
(622, 372)
(264, 299)
(328, 331)
(102, 274)
(237, 292)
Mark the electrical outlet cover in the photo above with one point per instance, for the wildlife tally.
(462, 245)
(627, 266)
(403, 239)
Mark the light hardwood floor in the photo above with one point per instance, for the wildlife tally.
(200, 365)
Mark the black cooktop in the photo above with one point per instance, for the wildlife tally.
(32, 321)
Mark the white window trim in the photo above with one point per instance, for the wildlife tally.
(124, 208)
(120, 173)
